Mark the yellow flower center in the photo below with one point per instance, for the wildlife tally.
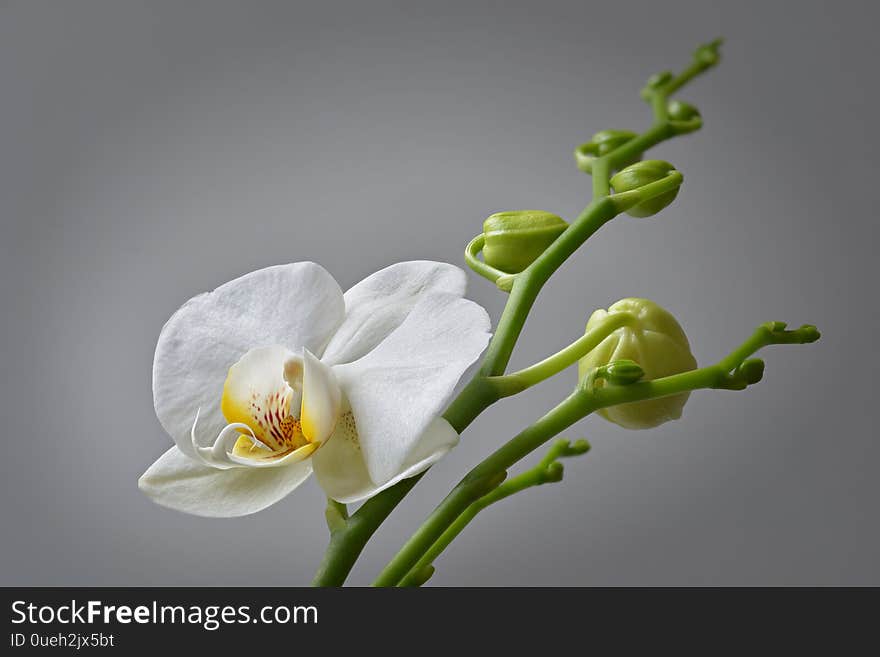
(289, 403)
(269, 417)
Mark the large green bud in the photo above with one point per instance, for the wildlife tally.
(514, 240)
(641, 174)
(656, 342)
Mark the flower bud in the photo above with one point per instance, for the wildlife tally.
(751, 371)
(655, 82)
(622, 372)
(514, 240)
(553, 473)
(679, 110)
(707, 54)
(640, 174)
(654, 340)
(602, 143)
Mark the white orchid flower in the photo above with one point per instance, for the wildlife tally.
(277, 374)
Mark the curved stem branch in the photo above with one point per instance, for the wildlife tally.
(548, 470)
(576, 406)
(566, 357)
(481, 267)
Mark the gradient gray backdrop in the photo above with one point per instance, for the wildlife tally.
(151, 151)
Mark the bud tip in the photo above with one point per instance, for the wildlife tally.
(554, 472)
(809, 333)
(752, 370)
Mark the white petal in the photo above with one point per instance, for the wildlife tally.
(321, 399)
(178, 482)
(397, 389)
(379, 304)
(342, 473)
(296, 305)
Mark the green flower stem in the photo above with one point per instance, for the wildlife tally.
(601, 172)
(483, 269)
(651, 137)
(767, 334)
(347, 542)
(419, 577)
(475, 485)
(548, 470)
(659, 107)
(349, 536)
(705, 57)
(336, 515)
(567, 357)
(583, 401)
(527, 285)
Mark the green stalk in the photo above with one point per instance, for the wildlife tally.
(347, 542)
(351, 534)
(566, 357)
(548, 470)
(579, 404)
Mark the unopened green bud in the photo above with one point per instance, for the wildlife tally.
(679, 110)
(514, 240)
(775, 327)
(654, 340)
(655, 82)
(751, 371)
(606, 141)
(808, 333)
(602, 143)
(622, 372)
(553, 472)
(641, 174)
(707, 54)
(579, 446)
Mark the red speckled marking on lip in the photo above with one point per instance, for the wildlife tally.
(279, 430)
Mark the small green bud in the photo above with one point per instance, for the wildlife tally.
(751, 371)
(640, 174)
(607, 140)
(514, 240)
(679, 110)
(656, 342)
(775, 327)
(656, 81)
(707, 54)
(553, 472)
(579, 446)
(602, 143)
(809, 333)
(622, 372)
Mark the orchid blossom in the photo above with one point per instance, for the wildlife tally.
(277, 374)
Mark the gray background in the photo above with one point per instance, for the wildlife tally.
(150, 151)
